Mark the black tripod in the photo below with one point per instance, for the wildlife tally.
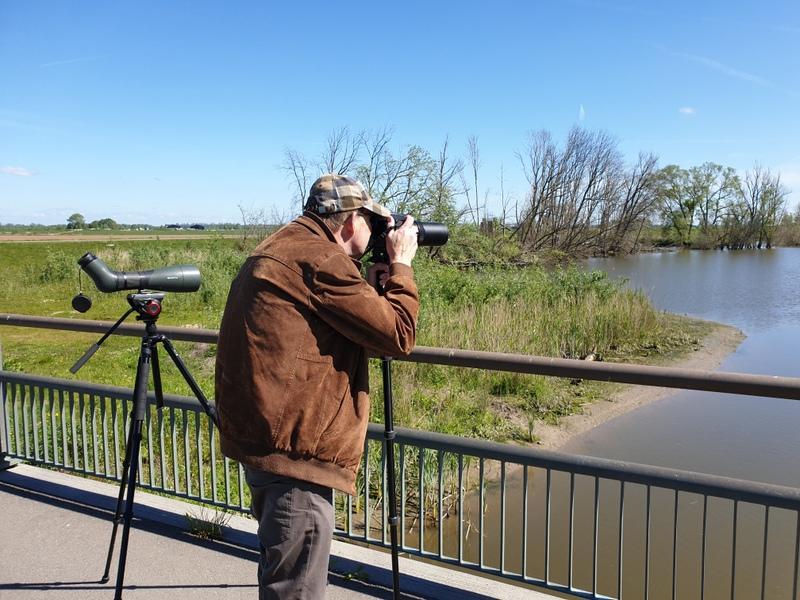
(389, 435)
(148, 307)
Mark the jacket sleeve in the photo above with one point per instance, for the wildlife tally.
(385, 325)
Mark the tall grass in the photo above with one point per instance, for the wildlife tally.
(560, 313)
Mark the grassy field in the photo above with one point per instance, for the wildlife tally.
(562, 313)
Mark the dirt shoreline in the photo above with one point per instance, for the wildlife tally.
(718, 344)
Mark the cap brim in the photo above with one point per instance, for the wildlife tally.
(378, 209)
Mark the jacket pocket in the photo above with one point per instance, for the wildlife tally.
(311, 399)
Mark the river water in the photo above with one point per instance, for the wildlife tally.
(736, 436)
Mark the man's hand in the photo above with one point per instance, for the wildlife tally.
(378, 273)
(401, 243)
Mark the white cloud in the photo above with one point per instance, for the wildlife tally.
(581, 113)
(18, 171)
(687, 110)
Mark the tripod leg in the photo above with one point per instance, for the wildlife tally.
(126, 528)
(187, 376)
(159, 390)
(386, 370)
(118, 512)
(132, 456)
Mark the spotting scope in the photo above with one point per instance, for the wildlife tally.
(177, 278)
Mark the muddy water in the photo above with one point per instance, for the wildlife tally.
(736, 436)
(742, 437)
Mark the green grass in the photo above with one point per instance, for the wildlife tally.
(561, 313)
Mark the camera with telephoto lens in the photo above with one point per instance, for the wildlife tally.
(429, 233)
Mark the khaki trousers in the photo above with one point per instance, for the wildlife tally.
(295, 526)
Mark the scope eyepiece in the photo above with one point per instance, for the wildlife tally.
(177, 278)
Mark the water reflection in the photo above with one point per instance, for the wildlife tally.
(736, 436)
(687, 538)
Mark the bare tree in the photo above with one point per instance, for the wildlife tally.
(506, 200)
(637, 202)
(373, 173)
(764, 198)
(442, 191)
(472, 194)
(299, 169)
(255, 226)
(573, 191)
(341, 151)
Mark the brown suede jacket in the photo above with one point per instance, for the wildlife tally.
(291, 370)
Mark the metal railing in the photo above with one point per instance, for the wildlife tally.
(591, 527)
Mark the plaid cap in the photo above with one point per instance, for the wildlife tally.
(333, 193)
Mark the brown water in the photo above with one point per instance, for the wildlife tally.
(737, 436)
(742, 437)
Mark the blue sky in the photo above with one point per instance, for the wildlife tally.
(181, 111)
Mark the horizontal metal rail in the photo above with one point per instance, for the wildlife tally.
(692, 379)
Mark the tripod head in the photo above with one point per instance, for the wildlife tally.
(146, 304)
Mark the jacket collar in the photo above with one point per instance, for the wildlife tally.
(313, 223)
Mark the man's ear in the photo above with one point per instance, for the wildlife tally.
(349, 225)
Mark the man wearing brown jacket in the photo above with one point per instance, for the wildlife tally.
(291, 372)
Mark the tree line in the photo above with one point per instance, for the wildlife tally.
(77, 221)
(582, 197)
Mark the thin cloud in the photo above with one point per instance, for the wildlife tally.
(581, 114)
(68, 61)
(687, 110)
(726, 70)
(16, 171)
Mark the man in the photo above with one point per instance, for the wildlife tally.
(291, 371)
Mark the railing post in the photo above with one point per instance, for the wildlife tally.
(5, 463)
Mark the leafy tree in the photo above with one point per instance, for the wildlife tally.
(103, 224)
(713, 187)
(762, 197)
(678, 203)
(76, 221)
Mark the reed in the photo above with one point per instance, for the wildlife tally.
(563, 312)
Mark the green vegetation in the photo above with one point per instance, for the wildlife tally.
(207, 524)
(563, 313)
(712, 206)
(560, 312)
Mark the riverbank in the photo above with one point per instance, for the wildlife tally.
(720, 341)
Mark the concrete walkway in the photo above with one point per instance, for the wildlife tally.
(55, 529)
